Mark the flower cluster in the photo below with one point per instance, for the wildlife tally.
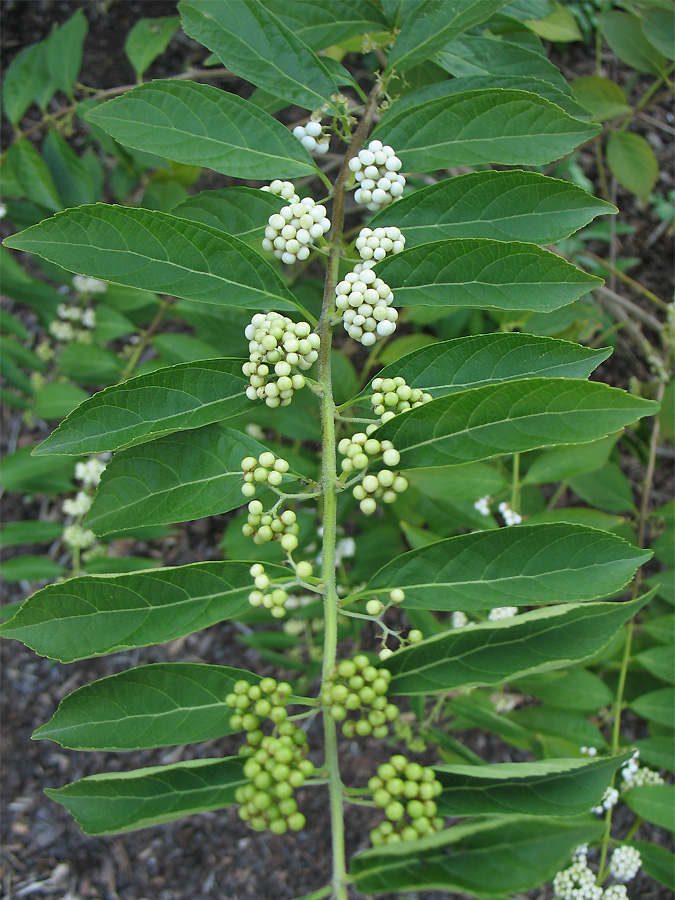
(73, 323)
(274, 600)
(276, 345)
(312, 136)
(608, 801)
(502, 612)
(405, 791)
(386, 484)
(376, 243)
(482, 505)
(625, 863)
(267, 469)
(265, 527)
(291, 231)
(365, 302)
(392, 396)
(510, 516)
(577, 883)
(90, 471)
(78, 538)
(85, 285)
(634, 775)
(78, 506)
(615, 892)
(359, 687)
(376, 168)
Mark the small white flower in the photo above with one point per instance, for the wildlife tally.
(511, 517)
(79, 506)
(89, 472)
(85, 285)
(62, 331)
(458, 619)
(589, 751)
(89, 318)
(483, 505)
(625, 863)
(615, 892)
(502, 612)
(608, 801)
(3, 210)
(77, 537)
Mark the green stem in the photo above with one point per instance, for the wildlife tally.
(560, 490)
(515, 484)
(145, 339)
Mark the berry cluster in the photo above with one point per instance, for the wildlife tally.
(266, 527)
(274, 600)
(365, 301)
(577, 883)
(73, 323)
(385, 485)
(291, 231)
(357, 686)
(634, 775)
(376, 168)
(615, 892)
(85, 285)
(392, 396)
(625, 863)
(311, 136)
(79, 506)
(267, 469)
(375, 244)
(406, 791)
(608, 800)
(283, 189)
(276, 344)
(357, 451)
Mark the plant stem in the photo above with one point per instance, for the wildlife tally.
(145, 339)
(515, 484)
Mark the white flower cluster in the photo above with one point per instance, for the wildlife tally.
(376, 244)
(615, 892)
(609, 800)
(577, 883)
(392, 396)
(266, 469)
(312, 136)
(86, 317)
(376, 168)
(634, 775)
(502, 612)
(273, 600)
(292, 231)
(265, 527)
(89, 472)
(276, 345)
(459, 620)
(365, 302)
(589, 751)
(625, 863)
(78, 538)
(71, 322)
(510, 516)
(483, 505)
(79, 506)
(85, 285)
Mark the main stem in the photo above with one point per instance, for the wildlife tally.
(329, 488)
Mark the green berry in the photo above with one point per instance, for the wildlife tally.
(374, 607)
(415, 636)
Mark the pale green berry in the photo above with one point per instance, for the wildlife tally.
(266, 459)
(304, 569)
(248, 490)
(374, 607)
(289, 542)
(415, 636)
(368, 506)
(396, 595)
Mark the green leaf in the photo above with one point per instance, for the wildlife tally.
(607, 488)
(22, 472)
(459, 482)
(657, 751)
(493, 652)
(502, 206)
(658, 25)
(159, 705)
(505, 418)
(577, 689)
(433, 24)
(123, 801)
(55, 400)
(552, 787)
(256, 45)
(605, 99)
(654, 802)
(561, 724)
(565, 462)
(147, 40)
(560, 25)
(88, 364)
(491, 126)
(33, 175)
(627, 39)
(30, 531)
(322, 23)
(478, 272)
(659, 661)
(64, 52)
(632, 161)
(117, 565)
(94, 615)
(657, 706)
(240, 211)
(149, 406)
(662, 628)
(30, 568)
(177, 478)
(483, 859)
(159, 252)
(21, 81)
(657, 862)
(202, 125)
(517, 566)
(71, 175)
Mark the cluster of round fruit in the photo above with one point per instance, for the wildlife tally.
(386, 485)
(283, 189)
(312, 137)
(376, 243)
(276, 344)
(365, 301)
(291, 231)
(358, 451)
(376, 168)
(405, 791)
(266, 469)
(359, 687)
(392, 396)
(265, 527)
(273, 600)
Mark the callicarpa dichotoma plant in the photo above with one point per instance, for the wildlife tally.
(355, 189)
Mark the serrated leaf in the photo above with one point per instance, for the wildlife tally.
(251, 41)
(147, 40)
(482, 422)
(656, 706)
(657, 862)
(654, 802)
(602, 96)
(177, 478)
(432, 24)
(240, 211)
(552, 787)
(202, 125)
(30, 568)
(627, 39)
(502, 206)
(518, 566)
(322, 23)
(493, 652)
(484, 859)
(123, 801)
(64, 52)
(157, 251)
(33, 175)
(94, 615)
(491, 126)
(149, 406)
(632, 161)
(158, 705)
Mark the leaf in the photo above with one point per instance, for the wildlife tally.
(502, 206)
(560, 25)
(72, 178)
(660, 662)
(55, 400)
(177, 478)
(561, 463)
(251, 41)
(202, 125)
(158, 705)
(607, 488)
(123, 801)
(484, 859)
(33, 175)
(20, 81)
(159, 252)
(657, 751)
(29, 531)
(514, 416)
(654, 802)
(662, 628)
(22, 472)
(552, 787)
(659, 26)
(432, 25)
(632, 161)
(656, 706)
(88, 364)
(561, 724)
(657, 862)
(64, 52)
(493, 652)
(478, 272)
(149, 406)
(627, 39)
(322, 23)
(30, 568)
(491, 126)
(517, 566)
(459, 482)
(116, 565)
(147, 40)
(605, 99)
(240, 211)
(577, 689)
(93, 615)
